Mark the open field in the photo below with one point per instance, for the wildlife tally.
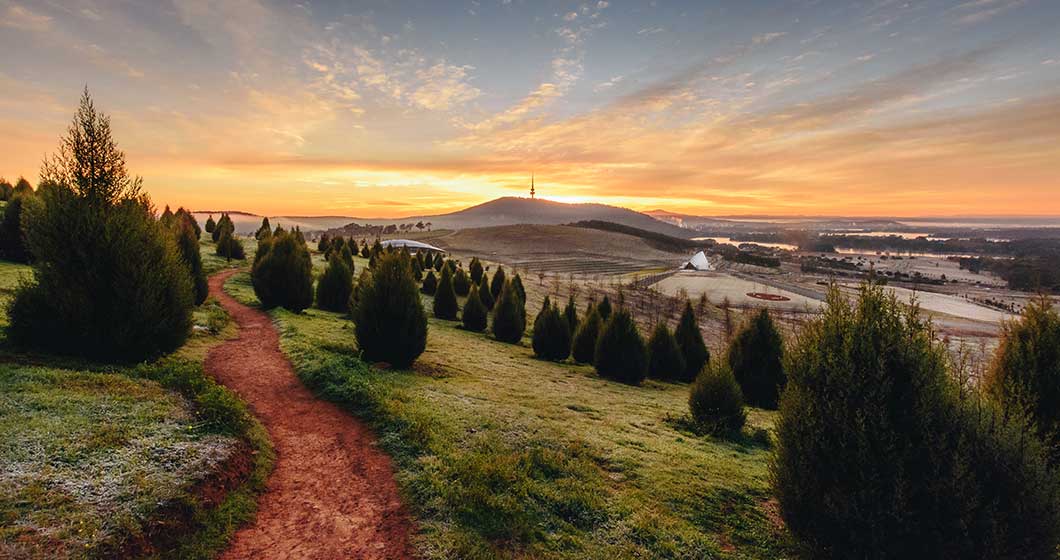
(501, 454)
(719, 287)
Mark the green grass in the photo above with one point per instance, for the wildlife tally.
(98, 461)
(503, 455)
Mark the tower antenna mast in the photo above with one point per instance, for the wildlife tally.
(532, 192)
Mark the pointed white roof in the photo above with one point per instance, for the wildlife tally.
(699, 261)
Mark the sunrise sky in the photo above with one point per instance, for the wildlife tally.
(390, 108)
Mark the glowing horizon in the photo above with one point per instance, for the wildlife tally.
(780, 108)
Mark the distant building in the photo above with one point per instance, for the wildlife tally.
(699, 261)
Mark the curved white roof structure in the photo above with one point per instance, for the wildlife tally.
(412, 245)
(699, 261)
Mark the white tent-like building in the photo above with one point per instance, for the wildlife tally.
(412, 246)
(699, 261)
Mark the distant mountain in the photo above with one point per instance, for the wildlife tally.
(514, 210)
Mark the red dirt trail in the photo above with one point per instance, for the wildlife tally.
(332, 493)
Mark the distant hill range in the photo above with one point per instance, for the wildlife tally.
(511, 211)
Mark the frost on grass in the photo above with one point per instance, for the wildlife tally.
(86, 458)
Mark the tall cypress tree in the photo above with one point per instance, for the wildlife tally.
(498, 282)
(445, 305)
(484, 292)
(551, 338)
(755, 357)
(690, 341)
(475, 314)
(509, 316)
(584, 346)
(620, 351)
(664, 357)
(390, 323)
(476, 270)
(570, 314)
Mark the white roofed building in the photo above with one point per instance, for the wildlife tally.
(699, 261)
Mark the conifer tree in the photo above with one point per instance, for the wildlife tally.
(282, 273)
(210, 224)
(324, 243)
(551, 337)
(475, 313)
(716, 402)
(690, 341)
(264, 230)
(335, 285)
(6, 189)
(430, 284)
(604, 309)
(461, 284)
(22, 187)
(755, 356)
(167, 219)
(229, 246)
(665, 361)
(12, 237)
(1024, 377)
(445, 305)
(439, 262)
(484, 293)
(476, 270)
(509, 316)
(498, 282)
(365, 253)
(347, 257)
(390, 322)
(517, 284)
(880, 454)
(122, 293)
(186, 216)
(417, 270)
(620, 351)
(188, 245)
(570, 314)
(584, 346)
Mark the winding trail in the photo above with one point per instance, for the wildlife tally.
(332, 493)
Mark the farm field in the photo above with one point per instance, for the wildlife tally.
(501, 454)
(719, 286)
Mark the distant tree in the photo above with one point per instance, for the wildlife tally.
(1024, 377)
(509, 316)
(880, 454)
(461, 283)
(517, 284)
(335, 285)
(584, 346)
(167, 218)
(365, 253)
(484, 293)
(419, 225)
(570, 314)
(445, 305)
(108, 281)
(498, 282)
(430, 284)
(476, 270)
(230, 247)
(7, 190)
(282, 273)
(620, 351)
(12, 238)
(755, 357)
(690, 341)
(188, 218)
(417, 270)
(324, 243)
(439, 262)
(391, 325)
(428, 224)
(664, 356)
(265, 230)
(279, 230)
(604, 309)
(210, 224)
(22, 187)
(188, 244)
(551, 337)
(475, 313)
(716, 402)
(224, 225)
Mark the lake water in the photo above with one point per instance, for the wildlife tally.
(730, 241)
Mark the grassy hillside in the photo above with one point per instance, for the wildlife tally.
(659, 241)
(101, 461)
(502, 455)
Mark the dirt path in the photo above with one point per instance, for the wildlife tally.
(332, 493)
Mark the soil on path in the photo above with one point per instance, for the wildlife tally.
(332, 493)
